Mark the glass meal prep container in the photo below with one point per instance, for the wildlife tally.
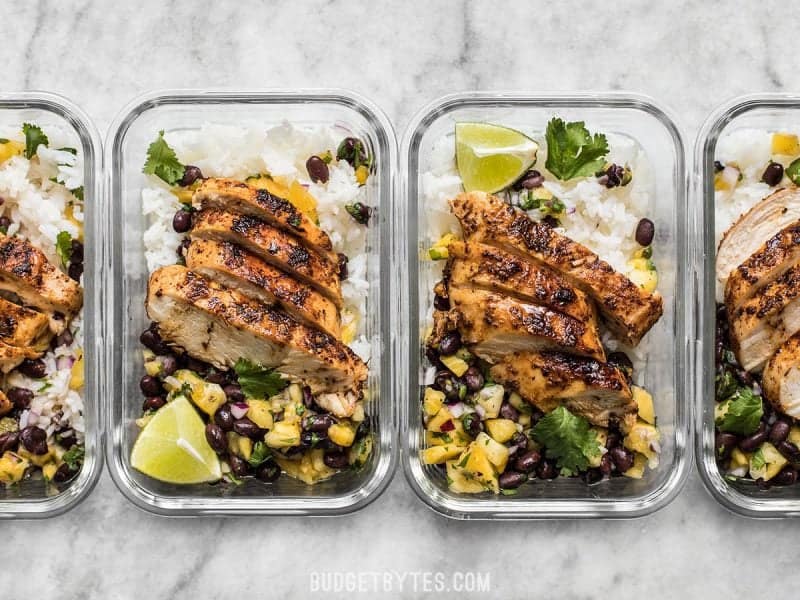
(128, 140)
(773, 113)
(667, 372)
(33, 497)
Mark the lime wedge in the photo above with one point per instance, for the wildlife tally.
(172, 447)
(490, 157)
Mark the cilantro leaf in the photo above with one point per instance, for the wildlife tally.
(163, 162)
(74, 457)
(72, 151)
(257, 381)
(572, 151)
(741, 413)
(261, 453)
(793, 171)
(34, 137)
(726, 385)
(78, 193)
(568, 438)
(758, 461)
(64, 247)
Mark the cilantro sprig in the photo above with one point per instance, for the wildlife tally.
(572, 151)
(257, 381)
(34, 137)
(163, 162)
(64, 247)
(741, 413)
(74, 457)
(567, 438)
(260, 454)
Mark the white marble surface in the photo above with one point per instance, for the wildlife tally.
(690, 55)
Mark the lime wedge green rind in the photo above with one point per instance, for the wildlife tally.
(172, 447)
(492, 157)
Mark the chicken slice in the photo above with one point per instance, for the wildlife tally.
(220, 326)
(339, 404)
(774, 213)
(236, 268)
(770, 261)
(629, 311)
(12, 356)
(595, 390)
(760, 325)
(494, 326)
(236, 196)
(486, 267)
(272, 246)
(23, 327)
(27, 274)
(781, 378)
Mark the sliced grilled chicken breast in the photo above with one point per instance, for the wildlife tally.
(760, 325)
(628, 310)
(12, 356)
(273, 246)
(595, 390)
(763, 221)
(494, 326)
(770, 261)
(23, 327)
(236, 196)
(220, 325)
(27, 274)
(781, 378)
(482, 266)
(236, 268)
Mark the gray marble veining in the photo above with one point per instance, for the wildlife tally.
(688, 55)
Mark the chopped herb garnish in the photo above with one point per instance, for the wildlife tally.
(741, 413)
(567, 438)
(257, 381)
(260, 454)
(74, 457)
(507, 492)
(360, 212)
(72, 151)
(64, 247)
(78, 193)
(793, 171)
(163, 162)
(572, 151)
(34, 137)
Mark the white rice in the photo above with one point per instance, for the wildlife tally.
(37, 207)
(282, 151)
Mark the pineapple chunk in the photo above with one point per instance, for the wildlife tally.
(460, 481)
(475, 461)
(76, 378)
(341, 434)
(12, 467)
(766, 462)
(240, 445)
(440, 418)
(360, 452)
(637, 470)
(739, 459)
(496, 452)
(794, 435)
(644, 439)
(49, 470)
(258, 411)
(645, 403)
(518, 402)
(184, 195)
(490, 399)
(152, 367)
(646, 279)
(785, 143)
(295, 393)
(362, 173)
(439, 250)
(9, 149)
(458, 366)
(439, 454)
(310, 469)
(208, 397)
(501, 430)
(283, 435)
(433, 401)
(39, 460)
(265, 182)
(303, 201)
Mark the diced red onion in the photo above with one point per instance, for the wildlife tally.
(457, 409)
(239, 410)
(447, 425)
(480, 410)
(64, 362)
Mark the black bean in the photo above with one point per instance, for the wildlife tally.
(520, 440)
(779, 431)
(472, 424)
(64, 339)
(224, 417)
(441, 302)
(21, 397)
(335, 460)
(76, 251)
(606, 464)
(343, 261)
(64, 474)
(152, 340)
(547, 470)
(613, 439)
(445, 382)
(724, 443)
(788, 450)
(268, 472)
(314, 439)
(592, 476)
(308, 397)
(752, 442)
(363, 429)
(743, 377)
(75, 271)
(508, 412)
(182, 221)
(153, 403)
(5, 222)
(718, 166)
(34, 440)
(527, 462)
(511, 480)
(150, 386)
(622, 458)
(317, 169)
(473, 378)
(220, 378)
(773, 174)
(238, 465)
(169, 364)
(247, 428)
(9, 441)
(190, 175)
(33, 368)
(450, 344)
(198, 366)
(216, 438)
(346, 149)
(530, 180)
(645, 231)
(67, 441)
(233, 392)
(318, 423)
(786, 476)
